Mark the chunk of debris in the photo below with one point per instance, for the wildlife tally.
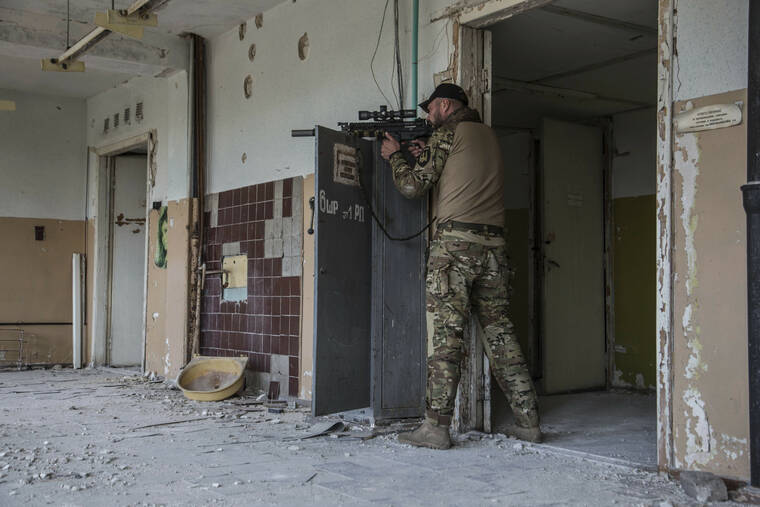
(703, 486)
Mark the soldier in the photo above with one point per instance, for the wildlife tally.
(468, 265)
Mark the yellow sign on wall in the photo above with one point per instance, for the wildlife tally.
(236, 271)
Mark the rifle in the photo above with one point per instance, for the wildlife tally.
(403, 125)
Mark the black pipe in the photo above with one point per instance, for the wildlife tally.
(751, 197)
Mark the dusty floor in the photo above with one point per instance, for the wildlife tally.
(85, 438)
(617, 426)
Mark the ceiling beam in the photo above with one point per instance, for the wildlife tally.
(601, 20)
(598, 65)
(100, 33)
(502, 84)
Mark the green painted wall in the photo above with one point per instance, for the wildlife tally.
(634, 277)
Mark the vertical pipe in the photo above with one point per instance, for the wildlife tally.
(76, 309)
(415, 41)
(751, 197)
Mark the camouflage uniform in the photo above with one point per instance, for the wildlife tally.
(467, 269)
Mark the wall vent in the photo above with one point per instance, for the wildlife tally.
(116, 120)
(106, 125)
(127, 113)
(139, 111)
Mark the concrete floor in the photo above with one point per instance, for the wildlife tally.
(80, 438)
(620, 427)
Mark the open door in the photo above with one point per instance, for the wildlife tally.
(572, 228)
(343, 275)
(127, 260)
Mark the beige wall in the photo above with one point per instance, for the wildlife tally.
(37, 281)
(710, 393)
(166, 319)
(307, 296)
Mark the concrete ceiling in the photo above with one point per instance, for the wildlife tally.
(34, 29)
(561, 41)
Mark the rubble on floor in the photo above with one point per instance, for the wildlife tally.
(92, 437)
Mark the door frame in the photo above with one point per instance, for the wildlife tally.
(491, 11)
(101, 293)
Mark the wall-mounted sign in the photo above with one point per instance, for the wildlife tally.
(709, 118)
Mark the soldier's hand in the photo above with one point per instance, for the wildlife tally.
(416, 147)
(389, 147)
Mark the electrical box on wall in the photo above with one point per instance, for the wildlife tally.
(235, 277)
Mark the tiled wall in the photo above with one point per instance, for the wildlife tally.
(264, 222)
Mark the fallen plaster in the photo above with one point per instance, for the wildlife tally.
(701, 445)
(71, 442)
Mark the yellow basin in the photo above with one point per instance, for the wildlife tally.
(212, 378)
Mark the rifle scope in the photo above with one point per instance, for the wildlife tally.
(385, 114)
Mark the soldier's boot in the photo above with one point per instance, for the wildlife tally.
(429, 434)
(529, 434)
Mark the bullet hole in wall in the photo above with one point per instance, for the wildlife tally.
(244, 157)
(259, 20)
(252, 52)
(303, 46)
(241, 30)
(248, 86)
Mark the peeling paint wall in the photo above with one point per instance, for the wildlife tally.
(166, 320)
(710, 406)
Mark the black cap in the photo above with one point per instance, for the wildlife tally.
(445, 91)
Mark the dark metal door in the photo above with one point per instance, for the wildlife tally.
(343, 280)
(398, 312)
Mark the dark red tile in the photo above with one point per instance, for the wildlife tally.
(295, 305)
(269, 210)
(259, 249)
(267, 365)
(276, 325)
(251, 231)
(276, 305)
(275, 344)
(287, 208)
(225, 199)
(267, 306)
(284, 345)
(277, 267)
(266, 344)
(295, 286)
(260, 230)
(293, 326)
(293, 366)
(244, 213)
(250, 194)
(293, 387)
(267, 325)
(287, 187)
(235, 215)
(269, 192)
(261, 211)
(267, 267)
(293, 349)
(260, 192)
(257, 343)
(277, 286)
(258, 267)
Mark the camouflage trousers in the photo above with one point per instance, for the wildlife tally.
(467, 270)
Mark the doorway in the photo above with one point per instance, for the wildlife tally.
(127, 233)
(576, 118)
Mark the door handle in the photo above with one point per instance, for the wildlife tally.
(311, 226)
